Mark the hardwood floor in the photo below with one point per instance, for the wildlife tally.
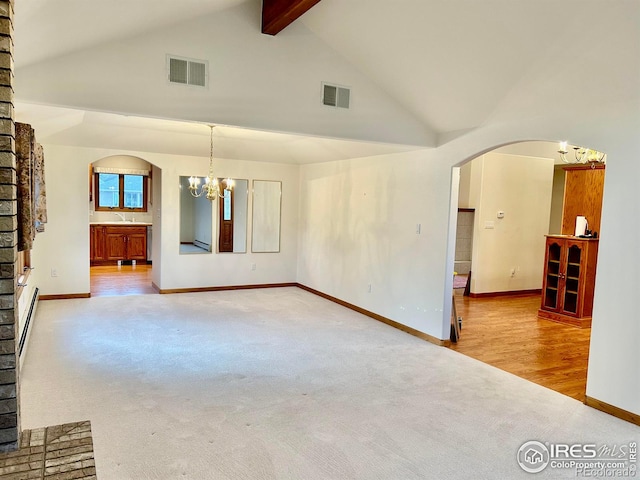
(112, 280)
(506, 332)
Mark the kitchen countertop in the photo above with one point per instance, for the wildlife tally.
(123, 224)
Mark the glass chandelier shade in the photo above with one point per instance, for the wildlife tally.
(581, 155)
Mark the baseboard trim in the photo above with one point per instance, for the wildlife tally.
(64, 296)
(611, 410)
(218, 289)
(509, 293)
(380, 318)
(581, 322)
(106, 263)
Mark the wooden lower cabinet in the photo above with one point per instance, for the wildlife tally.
(112, 243)
(137, 244)
(97, 243)
(569, 280)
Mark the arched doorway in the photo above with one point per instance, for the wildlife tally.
(122, 197)
(518, 194)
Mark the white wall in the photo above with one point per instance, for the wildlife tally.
(358, 223)
(357, 227)
(64, 245)
(521, 188)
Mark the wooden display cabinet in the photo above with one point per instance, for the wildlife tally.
(569, 280)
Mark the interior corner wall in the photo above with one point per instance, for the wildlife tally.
(508, 252)
(378, 222)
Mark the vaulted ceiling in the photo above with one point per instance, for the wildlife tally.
(421, 71)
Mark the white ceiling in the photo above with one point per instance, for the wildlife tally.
(451, 64)
(51, 28)
(66, 126)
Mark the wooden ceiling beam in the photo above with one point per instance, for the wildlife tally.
(279, 14)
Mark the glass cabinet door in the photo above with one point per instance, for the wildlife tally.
(572, 281)
(553, 276)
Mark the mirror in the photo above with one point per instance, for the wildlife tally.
(195, 221)
(265, 235)
(232, 218)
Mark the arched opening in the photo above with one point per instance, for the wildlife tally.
(124, 191)
(524, 310)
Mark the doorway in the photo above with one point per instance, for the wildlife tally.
(123, 191)
(517, 204)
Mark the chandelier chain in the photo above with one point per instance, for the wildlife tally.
(212, 188)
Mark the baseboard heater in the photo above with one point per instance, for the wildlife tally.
(32, 307)
(204, 246)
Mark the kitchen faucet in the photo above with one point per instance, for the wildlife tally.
(122, 216)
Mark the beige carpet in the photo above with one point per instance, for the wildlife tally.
(282, 384)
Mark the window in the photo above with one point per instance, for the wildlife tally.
(226, 209)
(23, 268)
(225, 241)
(121, 191)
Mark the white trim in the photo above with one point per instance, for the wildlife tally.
(126, 171)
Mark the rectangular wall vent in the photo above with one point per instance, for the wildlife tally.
(187, 71)
(335, 96)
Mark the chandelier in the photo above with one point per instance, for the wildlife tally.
(582, 155)
(211, 187)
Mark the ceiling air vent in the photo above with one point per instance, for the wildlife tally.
(187, 71)
(335, 96)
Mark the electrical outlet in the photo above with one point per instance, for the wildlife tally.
(253, 266)
(513, 272)
(369, 288)
(54, 272)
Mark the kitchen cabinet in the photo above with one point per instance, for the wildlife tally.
(569, 279)
(97, 243)
(110, 243)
